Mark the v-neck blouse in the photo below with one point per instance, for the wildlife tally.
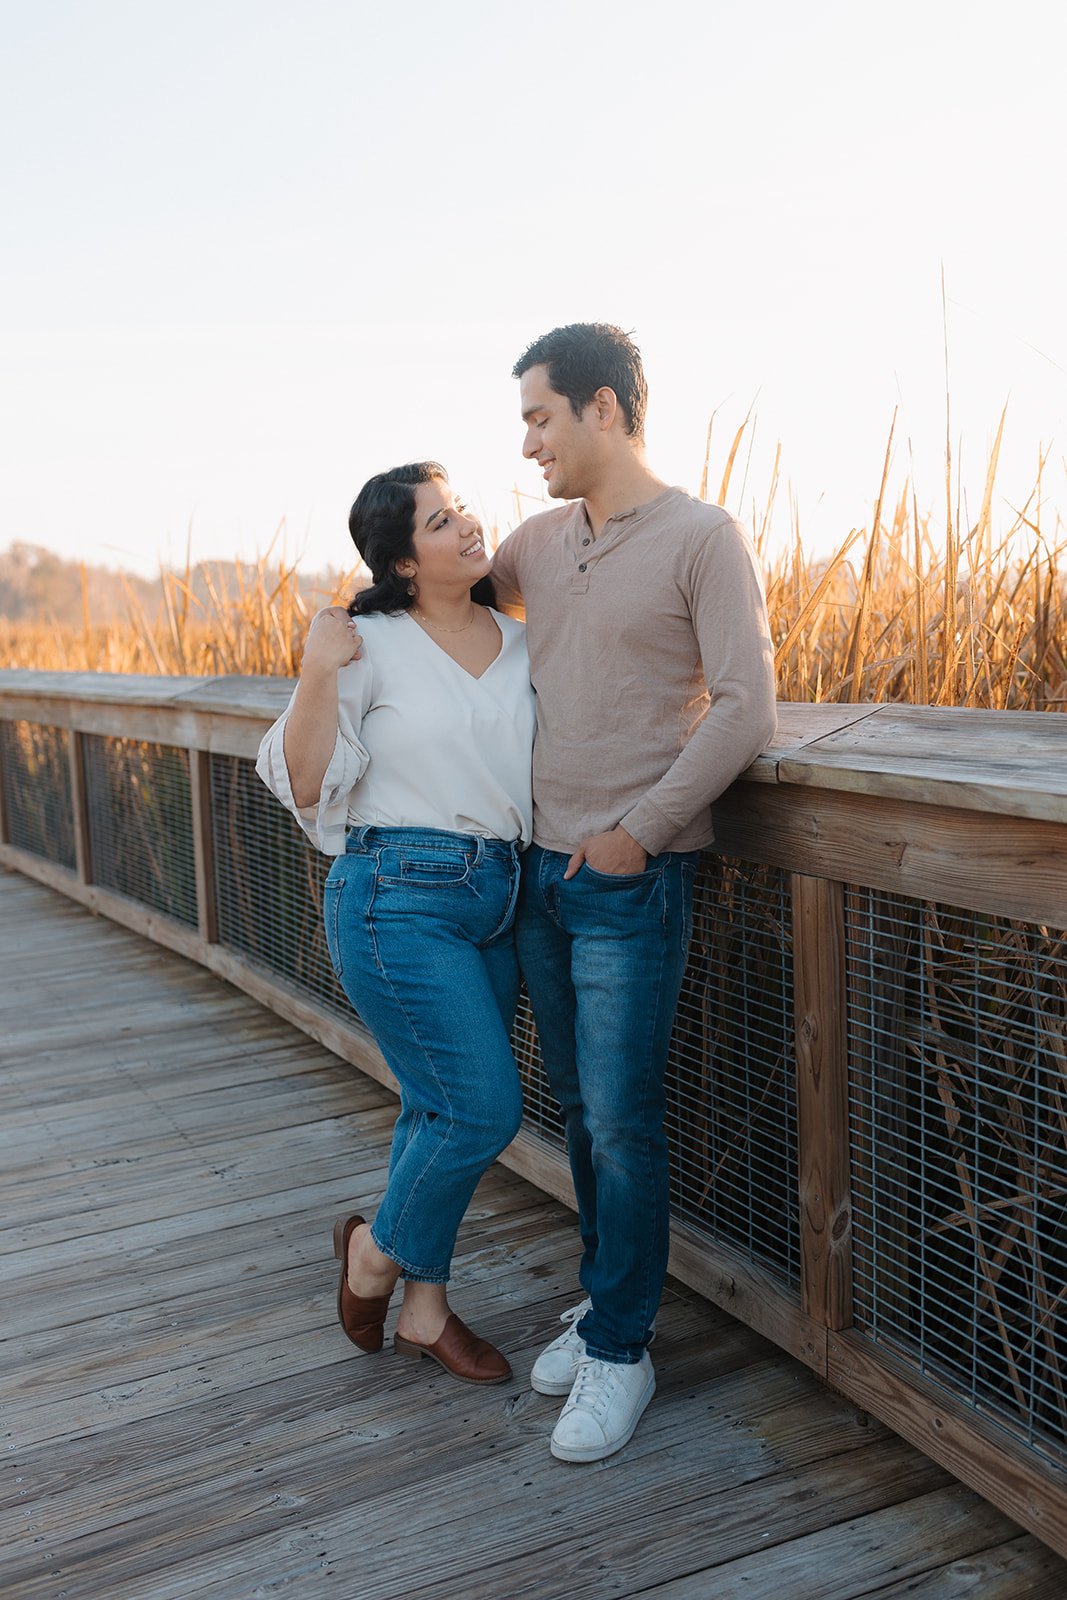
(421, 743)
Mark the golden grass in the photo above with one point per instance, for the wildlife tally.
(252, 621)
(901, 611)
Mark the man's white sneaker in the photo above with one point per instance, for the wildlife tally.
(606, 1404)
(554, 1370)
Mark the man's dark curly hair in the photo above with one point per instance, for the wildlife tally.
(586, 356)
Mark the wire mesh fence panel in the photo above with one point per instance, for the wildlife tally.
(139, 813)
(37, 798)
(731, 1079)
(958, 1108)
(269, 881)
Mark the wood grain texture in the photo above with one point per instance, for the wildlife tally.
(1011, 763)
(1017, 868)
(79, 804)
(5, 827)
(976, 1451)
(203, 846)
(822, 1101)
(1008, 763)
(183, 1417)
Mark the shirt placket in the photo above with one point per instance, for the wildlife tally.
(588, 550)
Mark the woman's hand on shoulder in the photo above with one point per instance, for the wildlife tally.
(333, 641)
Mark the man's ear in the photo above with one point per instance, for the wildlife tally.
(607, 406)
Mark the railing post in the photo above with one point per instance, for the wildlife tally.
(203, 845)
(822, 1100)
(79, 801)
(5, 830)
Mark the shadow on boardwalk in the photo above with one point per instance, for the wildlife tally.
(185, 1419)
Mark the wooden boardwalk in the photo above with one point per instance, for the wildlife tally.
(182, 1417)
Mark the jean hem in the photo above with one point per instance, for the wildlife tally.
(613, 1356)
(410, 1273)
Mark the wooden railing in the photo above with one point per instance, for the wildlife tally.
(868, 1086)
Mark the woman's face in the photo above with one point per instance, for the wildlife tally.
(449, 551)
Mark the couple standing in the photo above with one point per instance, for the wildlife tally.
(405, 752)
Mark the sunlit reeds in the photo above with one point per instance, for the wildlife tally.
(905, 609)
(251, 619)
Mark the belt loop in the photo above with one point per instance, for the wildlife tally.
(361, 836)
(479, 849)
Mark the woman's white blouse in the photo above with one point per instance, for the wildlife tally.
(420, 742)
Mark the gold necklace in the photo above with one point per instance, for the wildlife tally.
(437, 626)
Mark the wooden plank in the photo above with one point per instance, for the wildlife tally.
(151, 1334)
(1019, 1566)
(891, 1542)
(213, 1263)
(260, 698)
(176, 725)
(116, 688)
(203, 845)
(656, 1515)
(161, 930)
(183, 726)
(800, 725)
(99, 1482)
(248, 696)
(951, 1432)
(732, 1488)
(79, 800)
(5, 825)
(748, 1291)
(822, 1101)
(1016, 869)
(1011, 763)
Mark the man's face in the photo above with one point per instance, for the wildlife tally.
(566, 448)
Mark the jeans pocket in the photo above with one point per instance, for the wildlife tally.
(623, 880)
(429, 870)
(331, 915)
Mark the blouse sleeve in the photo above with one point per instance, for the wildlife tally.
(326, 820)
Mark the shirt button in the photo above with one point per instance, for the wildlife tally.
(585, 541)
(581, 566)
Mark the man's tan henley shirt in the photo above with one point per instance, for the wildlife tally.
(652, 661)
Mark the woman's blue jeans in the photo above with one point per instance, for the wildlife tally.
(419, 925)
(603, 958)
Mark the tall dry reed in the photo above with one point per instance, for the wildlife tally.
(903, 610)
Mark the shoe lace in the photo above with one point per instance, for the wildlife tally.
(574, 1313)
(594, 1386)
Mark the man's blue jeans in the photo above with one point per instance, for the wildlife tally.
(419, 927)
(603, 958)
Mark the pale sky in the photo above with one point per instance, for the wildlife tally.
(255, 251)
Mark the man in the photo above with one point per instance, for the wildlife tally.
(652, 662)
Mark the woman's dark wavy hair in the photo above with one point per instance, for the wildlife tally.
(382, 525)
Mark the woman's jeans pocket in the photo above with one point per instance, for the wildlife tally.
(331, 915)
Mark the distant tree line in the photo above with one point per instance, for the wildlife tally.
(36, 584)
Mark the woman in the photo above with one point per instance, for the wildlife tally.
(413, 737)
